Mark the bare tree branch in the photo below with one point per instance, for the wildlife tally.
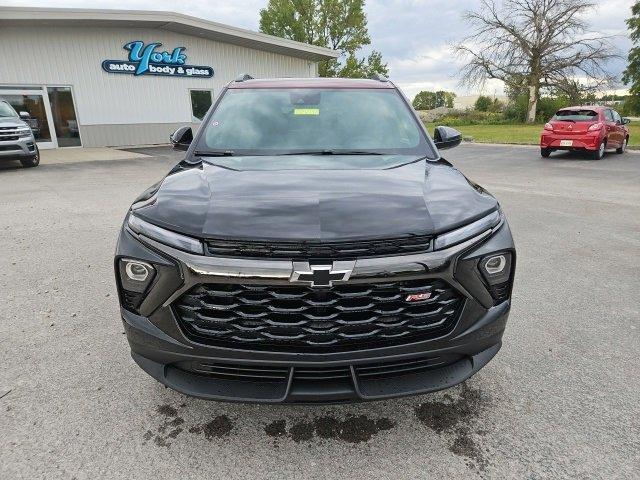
(537, 44)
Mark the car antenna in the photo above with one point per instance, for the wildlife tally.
(243, 77)
(378, 77)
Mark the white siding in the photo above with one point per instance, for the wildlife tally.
(73, 56)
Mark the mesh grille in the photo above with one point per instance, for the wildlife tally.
(291, 317)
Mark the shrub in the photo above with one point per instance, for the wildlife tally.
(471, 117)
(516, 111)
(483, 104)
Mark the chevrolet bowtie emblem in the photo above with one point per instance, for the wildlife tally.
(321, 275)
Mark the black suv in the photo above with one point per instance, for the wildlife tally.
(313, 246)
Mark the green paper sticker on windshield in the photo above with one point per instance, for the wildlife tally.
(306, 111)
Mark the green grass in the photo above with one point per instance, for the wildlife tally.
(519, 134)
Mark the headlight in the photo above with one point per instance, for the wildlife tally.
(468, 231)
(181, 242)
(24, 131)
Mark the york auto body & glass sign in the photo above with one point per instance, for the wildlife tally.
(147, 60)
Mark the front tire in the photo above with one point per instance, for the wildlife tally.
(33, 161)
(545, 152)
(623, 147)
(599, 153)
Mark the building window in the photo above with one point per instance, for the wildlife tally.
(201, 101)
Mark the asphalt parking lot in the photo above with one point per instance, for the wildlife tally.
(561, 399)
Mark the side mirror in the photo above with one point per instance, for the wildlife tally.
(626, 121)
(181, 138)
(24, 115)
(446, 137)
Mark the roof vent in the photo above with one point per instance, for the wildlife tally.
(378, 77)
(243, 77)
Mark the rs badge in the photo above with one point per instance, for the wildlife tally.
(418, 297)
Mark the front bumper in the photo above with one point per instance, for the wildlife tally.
(23, 147)
(161, 348)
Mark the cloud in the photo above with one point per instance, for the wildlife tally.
(413, 35)
(242, 13)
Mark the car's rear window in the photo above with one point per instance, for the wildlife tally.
(576, 115)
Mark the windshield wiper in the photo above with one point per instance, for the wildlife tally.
(334, 152)
(213, 153)
(566, 120)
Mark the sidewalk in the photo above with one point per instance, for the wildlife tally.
(78, 155)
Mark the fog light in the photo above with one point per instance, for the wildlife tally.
(495, 264)
(135, 275)
(137, 271)
(496, 268)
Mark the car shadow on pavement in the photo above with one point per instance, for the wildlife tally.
(8, 165)
(568, 155)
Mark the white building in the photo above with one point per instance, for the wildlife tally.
(113, 78)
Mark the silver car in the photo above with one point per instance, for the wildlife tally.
(16, 137)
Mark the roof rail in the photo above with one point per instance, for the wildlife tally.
(378, 77)
(243, 77)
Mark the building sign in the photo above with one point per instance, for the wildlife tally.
(148, 60)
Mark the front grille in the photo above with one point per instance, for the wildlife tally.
(320, 373)
(299, 317)
(9, 134)
(10, 148)
(324, 250)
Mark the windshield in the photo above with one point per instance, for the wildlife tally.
(6, 110)
(323, 122)
(576, 115)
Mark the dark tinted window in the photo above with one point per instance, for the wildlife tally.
(200, 103)
(616, 117)
(576, 115)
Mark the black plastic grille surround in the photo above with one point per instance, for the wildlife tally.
(500, 292)
(292, 317)
(271, 373)
(328, 250)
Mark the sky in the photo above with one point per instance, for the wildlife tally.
(413, 35)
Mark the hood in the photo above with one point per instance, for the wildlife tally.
(11, 122)
(420, 198)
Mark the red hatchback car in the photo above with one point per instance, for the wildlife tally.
(592, 129)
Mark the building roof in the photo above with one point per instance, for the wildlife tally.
(170, 21)
(311, 83)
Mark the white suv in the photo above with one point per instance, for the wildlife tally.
(16, 138)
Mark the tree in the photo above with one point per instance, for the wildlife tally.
(445, 99)
(534, 43)
(483, 104)
(631, 75)
(424, 101)
(429, 100)
(337, 24)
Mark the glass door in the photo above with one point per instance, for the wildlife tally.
(34, 102)
(64, 116)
